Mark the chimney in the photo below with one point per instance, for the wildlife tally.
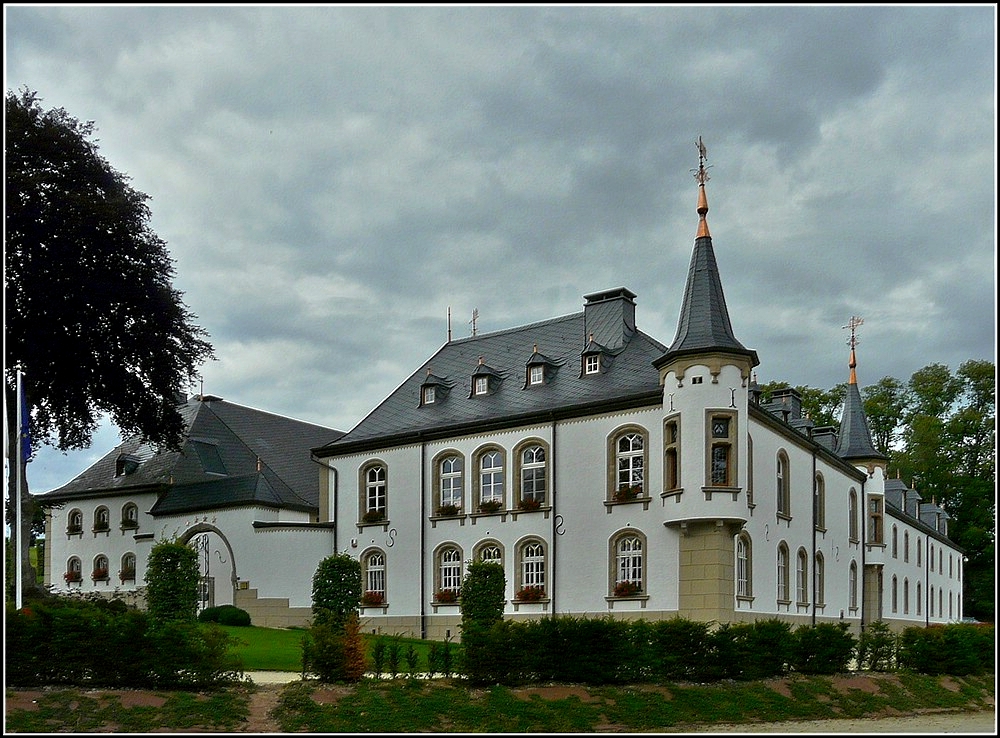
(609, 317)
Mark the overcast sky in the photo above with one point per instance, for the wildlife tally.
(331, 180)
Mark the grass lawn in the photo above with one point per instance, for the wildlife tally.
(280, 649)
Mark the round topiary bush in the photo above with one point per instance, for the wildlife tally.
(232, 615)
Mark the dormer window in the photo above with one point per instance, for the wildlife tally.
(434, 390)
(592, 364)
(126, 464)
(485, 380)
(540, 369)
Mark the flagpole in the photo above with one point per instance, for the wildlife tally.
(18, 526)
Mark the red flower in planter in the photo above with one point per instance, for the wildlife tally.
(446, 596)
(531, 594)
(372, 599)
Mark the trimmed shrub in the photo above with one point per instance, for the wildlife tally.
(824, 648)
(482, 593)
(958, 649)
(680, 649)
(336, 591)
(232, 615)
(877, 647)
(172, 583)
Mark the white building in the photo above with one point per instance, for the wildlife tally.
(607, 472)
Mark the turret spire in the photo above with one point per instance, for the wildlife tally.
(855, 441)
(701, 174)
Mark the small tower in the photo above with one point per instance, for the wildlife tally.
(855, 441)
(705, 375)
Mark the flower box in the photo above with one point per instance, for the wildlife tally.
(530, 594)
(130, 524)
(73, 576)
(372, 599)
(627, 589)
(374, 516)
(99, 574)
(529, 504)
(446, 511)
(446, 596)
(100, 527)
(490, 506)
(127, 575)
(626, 493)
(73, 529)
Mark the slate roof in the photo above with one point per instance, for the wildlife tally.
(855, 440)
(220, 436)
(704, 323)
(628, 378)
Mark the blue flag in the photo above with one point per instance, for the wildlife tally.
(25, 427)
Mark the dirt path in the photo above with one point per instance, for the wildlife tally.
(262, 701)
(939, 723)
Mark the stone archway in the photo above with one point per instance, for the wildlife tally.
(215, 556)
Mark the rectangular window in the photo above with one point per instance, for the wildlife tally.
(721, 452)
(536, 375)
(875, 520)
(482, 385)
(428, 395)
(593, 364)
(671, 470)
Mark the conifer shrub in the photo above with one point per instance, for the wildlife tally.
(336, 590)
(877, 647)
(824, 648)
(172, 583)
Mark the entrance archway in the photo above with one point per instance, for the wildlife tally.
(215, 560)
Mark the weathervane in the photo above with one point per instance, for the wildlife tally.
(701, 173)
(475, 317)
(853, 324)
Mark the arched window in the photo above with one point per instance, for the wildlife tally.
(920, 552)
(490, 479)
(127, 572)
(449, 574)
(489, 552)
(531, 582)
(820, 580)
(671, 454)
(852, 586)
(744, 566)
(906, 596)
(630, 466)
(130, 516)
(102, 519)
(852, 512)
(875, 532)
(531, 474)
(783, 593)
(895, 542)
(820, 502)
(629, 564)
(894, 597)
(374, 494)
(782, 485)
(930, 556)
(74, 570)
(373, 576)
(906, 546)
(932, 601)
(451, 484)
(74, 522)
(920, 600)
(801, 577)
(750, 499)
(100, 572)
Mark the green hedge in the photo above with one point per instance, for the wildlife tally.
(597, 651)
(225, 615)
(74, 644)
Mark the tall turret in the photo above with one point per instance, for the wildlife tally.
(705, 375)
(855, 441)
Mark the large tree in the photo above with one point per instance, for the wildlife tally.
(92, 317)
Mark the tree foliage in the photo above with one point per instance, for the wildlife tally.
(336, 591)
(172, 576)
(91, 314)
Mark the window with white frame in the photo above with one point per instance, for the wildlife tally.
(591, 363)
(127, 572)
(532, 474)
(74, 522)
(449, 572)
(783, 584)
(744, 566)
(801, 577)
(536, 374)
(373, 565)
(130, 516)
(489, 553)
(531, 556)
(74, 570)
(491, 477)
(374, 502)
(782, 485)
(875, 533)
(102, 519)
(482, 386)
(451, 482)
(852, 586)
(100, 572)
(820, 502)
(429, 395)
(819, 579)
(628, 564)
(630, 466)
(852, 512)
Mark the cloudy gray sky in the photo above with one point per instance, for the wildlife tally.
(331, 180)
